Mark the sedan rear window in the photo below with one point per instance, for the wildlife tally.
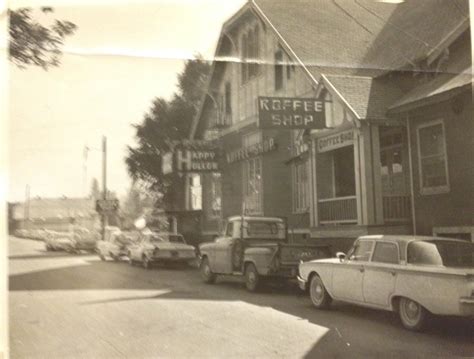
(441, 253)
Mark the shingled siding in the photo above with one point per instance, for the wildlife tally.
(455, 207)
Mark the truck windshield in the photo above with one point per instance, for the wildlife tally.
(442, 253)
(263, 229)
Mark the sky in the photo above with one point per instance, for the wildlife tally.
(121, 57)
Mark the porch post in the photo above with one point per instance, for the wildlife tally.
(357, 171)
(313, 208)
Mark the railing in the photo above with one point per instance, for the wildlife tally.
(396, 208)
(338, 210)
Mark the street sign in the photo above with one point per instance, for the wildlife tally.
(106, 205)
(291, 113)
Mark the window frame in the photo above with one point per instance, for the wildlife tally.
(436, 189)
(280, 67)
(386, 242)
(356, 244)
(299, 192)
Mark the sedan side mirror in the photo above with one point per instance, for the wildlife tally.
(341, 256)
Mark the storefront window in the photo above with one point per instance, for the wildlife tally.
(216, 195)
(344, 175)
(253, 186)
(432, 158)
(195, 192)
(300, 187)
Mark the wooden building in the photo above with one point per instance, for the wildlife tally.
(396, 81)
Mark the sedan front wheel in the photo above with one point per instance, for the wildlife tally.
(318, 293)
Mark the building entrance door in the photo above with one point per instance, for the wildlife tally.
(394, 174)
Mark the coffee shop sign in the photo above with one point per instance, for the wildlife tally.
(251, 151)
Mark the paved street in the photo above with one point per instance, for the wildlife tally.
(65, 305)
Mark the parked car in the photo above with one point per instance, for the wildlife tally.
(160, 247)
(115, 243)
(412, 275)
(256, 248)
(75, 241)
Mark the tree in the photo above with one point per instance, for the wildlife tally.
(167, 121)
(34, 44)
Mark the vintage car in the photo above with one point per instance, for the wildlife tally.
(413, 275)
(160, 247)
(115, 244)
(79, 239)
(255, 248)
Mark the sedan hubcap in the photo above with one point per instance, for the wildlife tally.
(412, 310)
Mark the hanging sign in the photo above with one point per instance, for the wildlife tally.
(291, 113)
(188, 158)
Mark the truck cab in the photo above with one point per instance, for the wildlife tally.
(255, 247)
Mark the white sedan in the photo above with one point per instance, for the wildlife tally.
(160, 247)
(413, 275)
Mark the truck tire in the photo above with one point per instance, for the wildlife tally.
(252, 278)
(206, 273)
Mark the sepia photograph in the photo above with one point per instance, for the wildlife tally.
(237, 179)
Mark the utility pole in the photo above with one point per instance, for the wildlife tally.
(104, 182)
(27, 206)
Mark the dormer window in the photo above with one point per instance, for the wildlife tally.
(250, 41)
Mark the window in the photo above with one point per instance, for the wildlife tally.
(433, 167)
(300, 187)
(228, 99)
(386, 253)
(215, 195)
(344, 172)
(250, 42)
(195, 192)
(252, 173)
(253, 186)
(441, 253)
(278, 70)
(361, 251)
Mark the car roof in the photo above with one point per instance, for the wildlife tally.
(408, 238)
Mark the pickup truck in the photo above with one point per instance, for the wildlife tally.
(255, 248)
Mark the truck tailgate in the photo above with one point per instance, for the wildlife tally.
(294, 253)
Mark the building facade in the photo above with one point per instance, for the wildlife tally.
(397, 108)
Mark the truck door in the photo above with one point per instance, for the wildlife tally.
(223, 251)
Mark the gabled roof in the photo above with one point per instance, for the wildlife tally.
(352, 42)
(431, 91)
(362, 36)
(369, 97)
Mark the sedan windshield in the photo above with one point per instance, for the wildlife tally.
(164, 237)
(441, 252)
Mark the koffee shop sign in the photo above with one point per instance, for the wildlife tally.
(291, 113)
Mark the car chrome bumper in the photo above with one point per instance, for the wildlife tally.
(301, 283)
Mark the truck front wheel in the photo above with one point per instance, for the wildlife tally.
(252, 278)
(206, 273)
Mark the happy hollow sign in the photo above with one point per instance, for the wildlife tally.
(190, 156)
(291, 113)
